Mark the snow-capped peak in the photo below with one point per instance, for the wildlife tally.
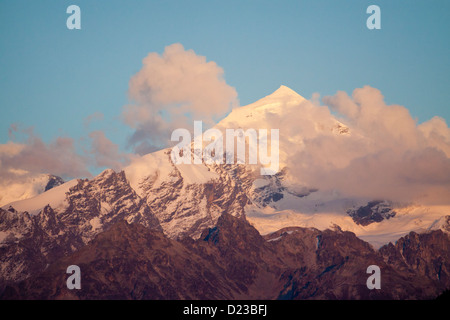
(255, 113)
(284, 92)
(282, 96)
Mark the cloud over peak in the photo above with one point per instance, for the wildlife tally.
(172, 89)
(386, 156)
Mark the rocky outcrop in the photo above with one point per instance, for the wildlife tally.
(53, 181)
(374, 211)
(426, 255)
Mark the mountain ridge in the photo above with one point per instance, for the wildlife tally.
(232, 261)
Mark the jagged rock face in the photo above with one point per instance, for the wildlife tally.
(31, 242)
(186, 209)
(53, 181)
(95, 205)
(336, 269)
(426, 254)
(232, 261)
(374, 211)
(266, 190)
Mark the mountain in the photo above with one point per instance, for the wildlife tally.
(188, 198)
(233, 261)
(227, 218)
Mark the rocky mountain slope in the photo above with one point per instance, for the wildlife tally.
(233, 261)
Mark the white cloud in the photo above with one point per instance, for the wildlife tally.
(387, 154)
(170, 91)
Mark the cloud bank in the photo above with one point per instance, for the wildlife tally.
(58, 157)
(23, 164)
(387, 155)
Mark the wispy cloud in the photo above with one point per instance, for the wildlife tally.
(21, 160)
(105, 153)
(35, 156)
(96, 116)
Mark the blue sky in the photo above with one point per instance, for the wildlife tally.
(52, 78)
